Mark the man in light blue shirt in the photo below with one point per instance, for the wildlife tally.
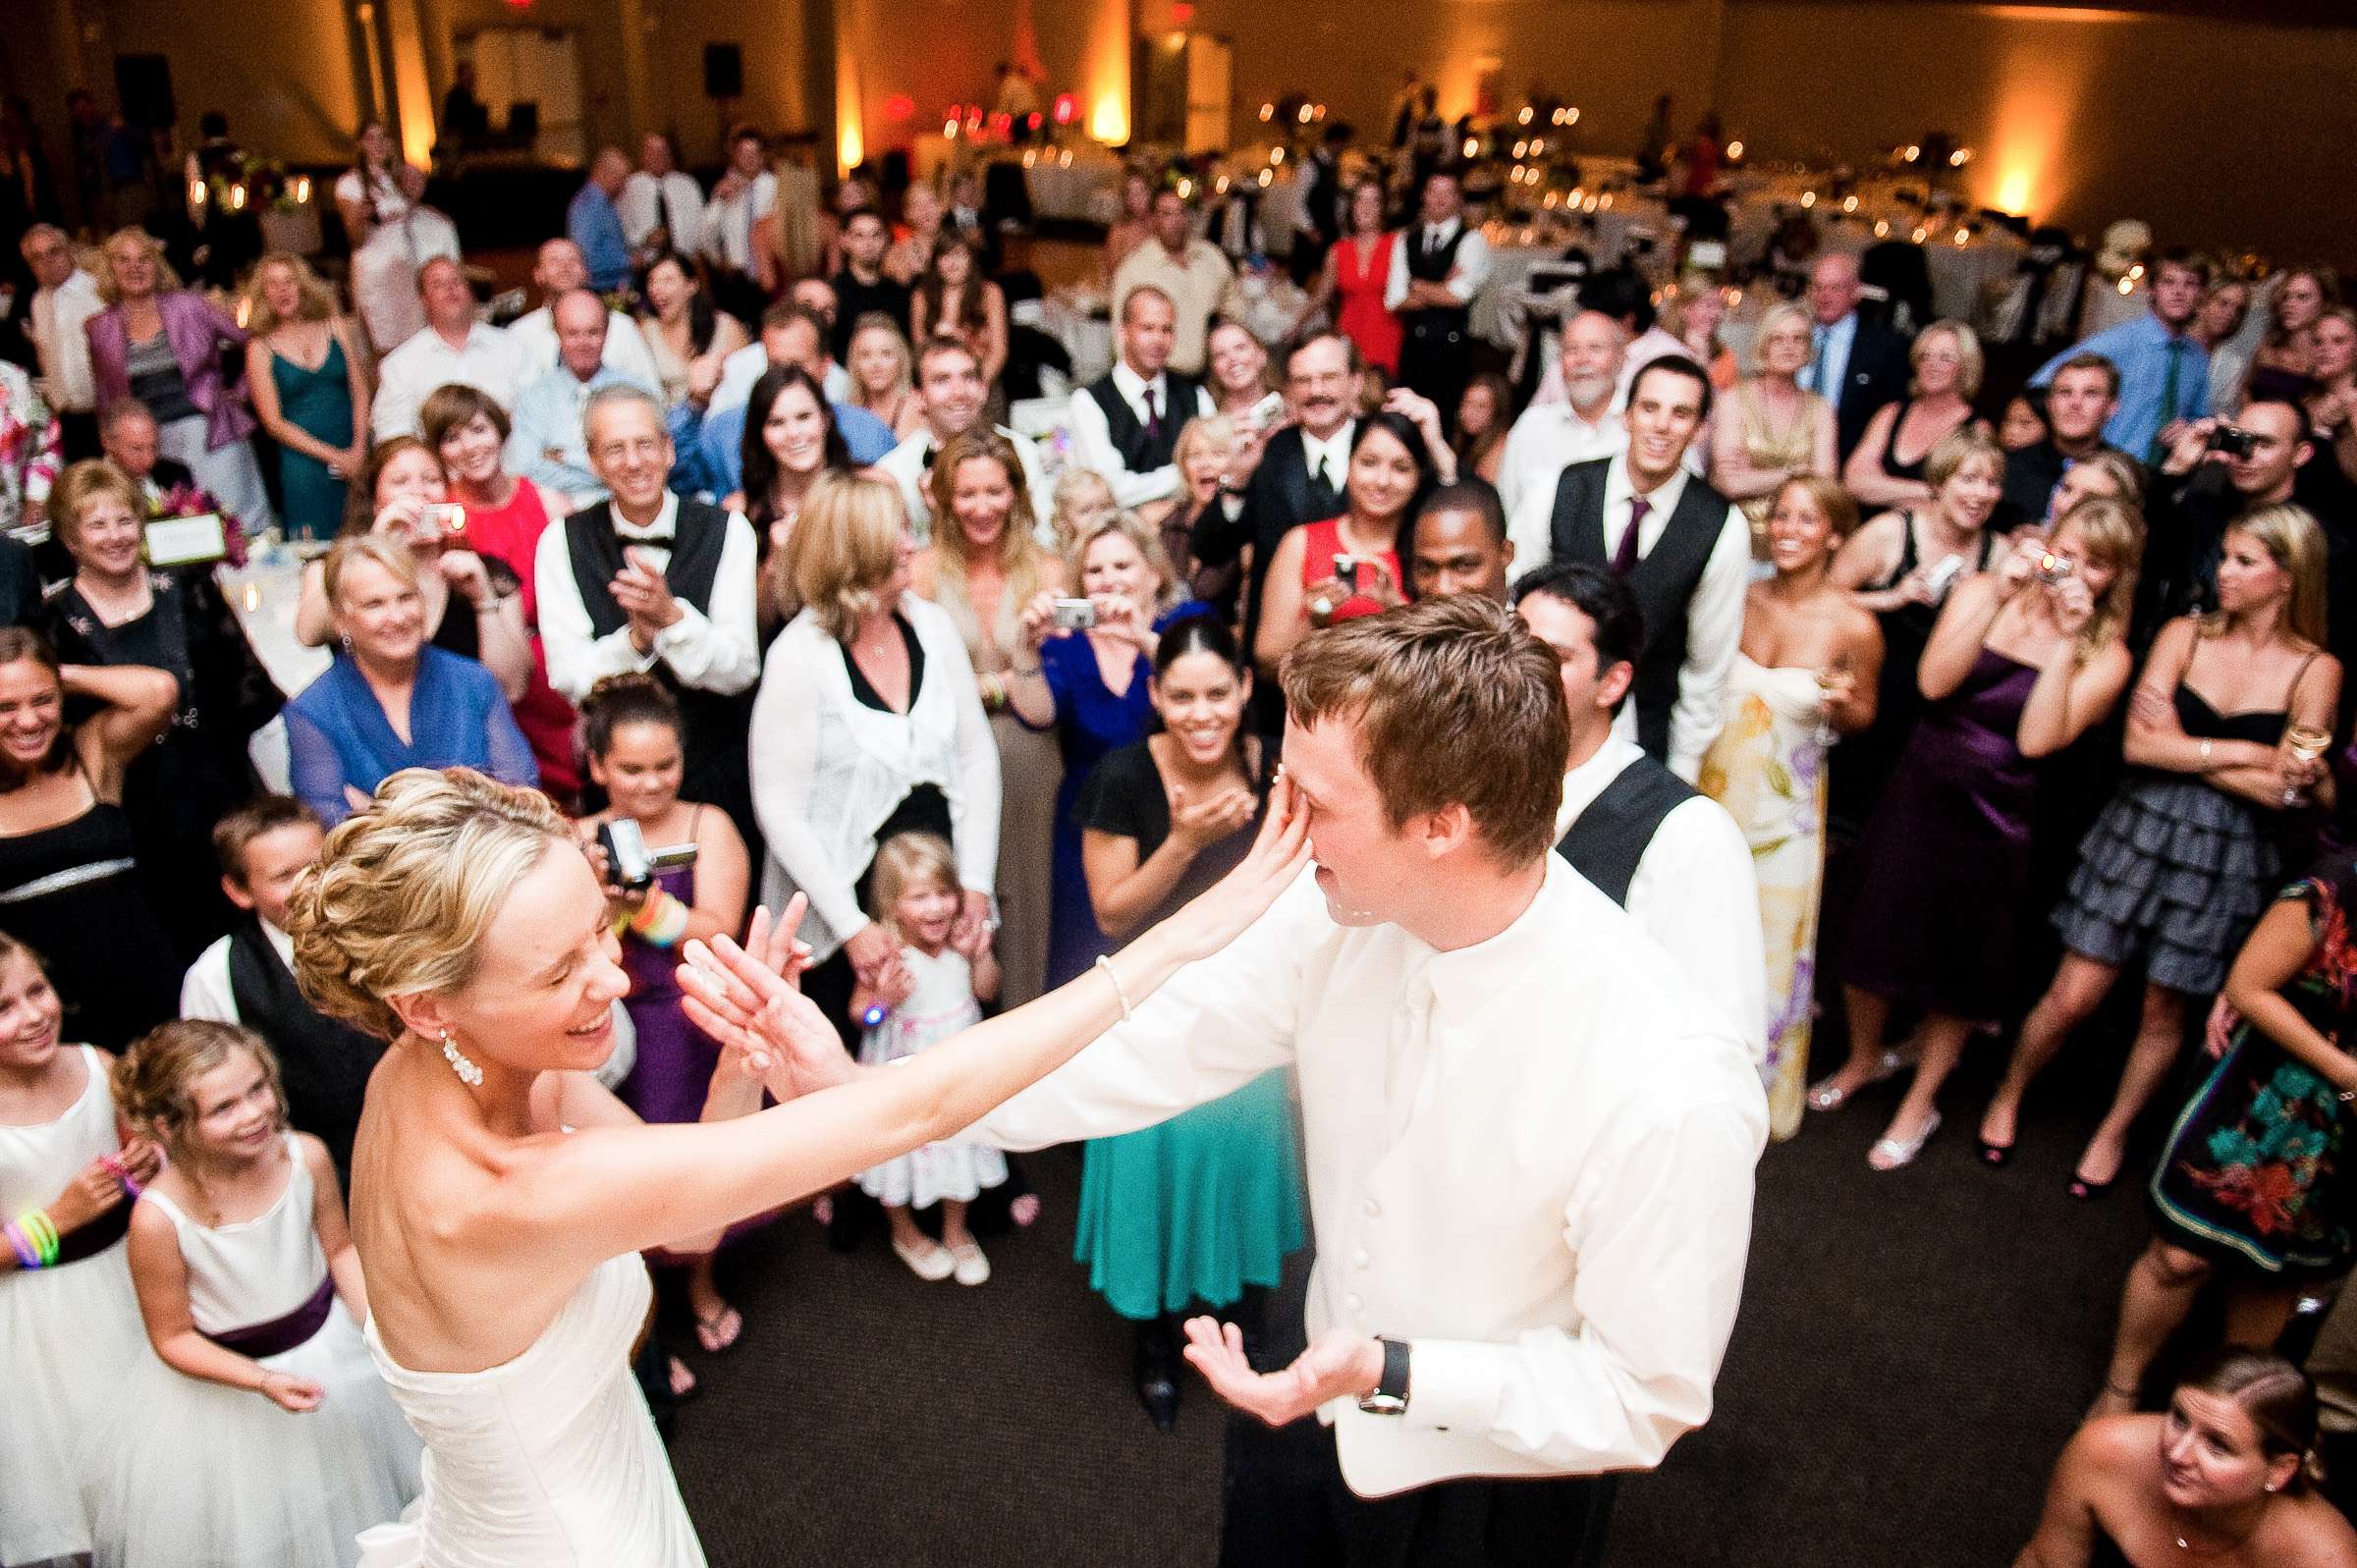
(595, 224)
(546, 444)
(711, 444)
(2164, 374)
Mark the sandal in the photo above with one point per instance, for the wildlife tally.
(1896, 1153)
(1825, 1095)
(719, 1331)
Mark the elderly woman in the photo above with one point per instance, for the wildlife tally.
(309, 381)
(868, 723)
(117, 610)
(686, 335)
(162, 343)
(1771, 430)
(985, 568)
(391, 699)
(1948, 376)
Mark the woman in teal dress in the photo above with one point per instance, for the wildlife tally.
(2253, 1184)
(1205, 1207)
(309, 386)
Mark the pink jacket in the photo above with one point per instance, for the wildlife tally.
(198, 332)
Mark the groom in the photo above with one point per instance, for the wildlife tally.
(1529, 1143)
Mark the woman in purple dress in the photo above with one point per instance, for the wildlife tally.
(2022, 662)
(632, 732)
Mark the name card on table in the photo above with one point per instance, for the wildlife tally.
(185, 541)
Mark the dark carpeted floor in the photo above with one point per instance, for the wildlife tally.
(1915, 1350)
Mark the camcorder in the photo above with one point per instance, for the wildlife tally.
(630, 864)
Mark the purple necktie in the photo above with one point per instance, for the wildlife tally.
(1153, 417)
(1624, 559)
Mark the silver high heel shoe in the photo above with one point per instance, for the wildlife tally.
(1825, 1095)
(1896, 1153)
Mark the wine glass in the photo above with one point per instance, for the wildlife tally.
(2307, 744)
(1828, 678)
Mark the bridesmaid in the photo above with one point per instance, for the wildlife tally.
(2020, 665)
(68, 1318)
(310, 385)
(983, 570)
(631, 730)
(1804, 675)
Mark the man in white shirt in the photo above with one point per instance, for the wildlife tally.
(646, 581)
(662, 208)
(1192, 274)
(1684, 549)
(1529, 1144)
(1125, 423)
(1437, 269)
(557, 270)
(545, 442)
(453, 344)
(949, 386)
(741, 368)
(247, 976)
(66, 297)
(1585, 425)
(745, 195)
(1672, 857)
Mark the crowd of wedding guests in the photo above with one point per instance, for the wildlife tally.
(1874, 678)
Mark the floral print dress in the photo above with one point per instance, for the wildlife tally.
(2253, 1173)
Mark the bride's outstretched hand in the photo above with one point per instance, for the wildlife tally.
(748, 998)
(1218, 915)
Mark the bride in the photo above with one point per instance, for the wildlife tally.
(501, 1198)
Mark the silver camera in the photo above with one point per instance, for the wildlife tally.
(1074, 615)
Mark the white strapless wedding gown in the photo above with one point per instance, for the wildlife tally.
(548, 1461)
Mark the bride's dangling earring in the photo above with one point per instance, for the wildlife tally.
(468, 1073)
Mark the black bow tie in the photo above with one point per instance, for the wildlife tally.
(643, 538)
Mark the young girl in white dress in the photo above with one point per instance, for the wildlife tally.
(929, 996)
(263, 1434)
(68, 1323)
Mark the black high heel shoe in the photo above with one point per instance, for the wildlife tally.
(1156, 1372)
(1995, 1155)
(2085, 1191)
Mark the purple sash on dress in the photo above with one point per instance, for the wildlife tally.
(279, 1335)
(95, 1237)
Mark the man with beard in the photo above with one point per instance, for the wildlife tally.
(1551, 436)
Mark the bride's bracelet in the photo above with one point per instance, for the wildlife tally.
(1105, 963)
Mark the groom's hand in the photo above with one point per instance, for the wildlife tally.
(1340, 1366)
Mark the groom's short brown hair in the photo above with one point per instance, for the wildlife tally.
(1456, 703)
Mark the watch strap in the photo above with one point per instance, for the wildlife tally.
(1389, 1397)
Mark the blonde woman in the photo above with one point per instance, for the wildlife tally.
(983, 568)
(2183, 860)
(1773, 430)
(2024, 660)
(1206, 450)
(1082, 499)
(883, 374)
(1947, 361)
(501, 1197)
(310, 380)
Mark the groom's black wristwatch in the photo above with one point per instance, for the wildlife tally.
(1389, 1397)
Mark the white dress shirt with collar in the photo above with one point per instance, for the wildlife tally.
(1713, 616)
(727, 237)
(1694, 892)
(675, 202)
(546, 441)
(58, 315)
(1470, 271)
(746, 366)
(1092, 437)
(714, 649)
(907, 465)
(1546, 440)
(1531, 1158)
(205, 991)
(1332, 455)
(487, 362)
(534, 334)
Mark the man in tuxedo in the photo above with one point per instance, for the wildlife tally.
(1320, 221)
(1125, 423)
(1856, 364)
(647, 581)
(1437, 268)
(1681, 548)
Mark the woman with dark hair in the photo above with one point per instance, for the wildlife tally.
(1203, 1208)
(1357, 270)
(67, 878)
(118, 610)
(955, 297)
(1484, 414)
(2228, 1474)
(686, 336)
(2281, 367)
(1347, 567)
(790, 438)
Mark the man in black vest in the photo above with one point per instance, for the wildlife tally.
(1125, 423)
(247, 976)
(646, 581)
(1436, 272)
(1672, 858)
(1682, 549)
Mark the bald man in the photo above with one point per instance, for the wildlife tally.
(595, 223)
(545, 443)
(1856, 364)
(558, 268)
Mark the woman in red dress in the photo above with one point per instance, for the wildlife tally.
(1357, 269)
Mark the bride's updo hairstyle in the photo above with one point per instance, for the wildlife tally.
(405, 891)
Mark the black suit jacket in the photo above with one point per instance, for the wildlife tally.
(1877, 375)
(1276, 502)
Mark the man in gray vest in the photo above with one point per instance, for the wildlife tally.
(1672, 857)
(1683, 551)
